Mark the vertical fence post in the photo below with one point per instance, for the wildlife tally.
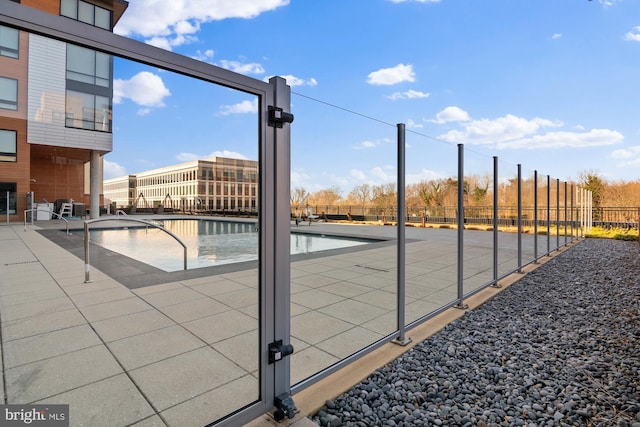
(496, 187)
(461, 304)
(548, 214)
(402, 339)
(573, 214)
(557, 213)
(519, 218)
(87, 267)
(590, 210)
(579, 211)
(535, 216)
(585, 202)
(565, 212)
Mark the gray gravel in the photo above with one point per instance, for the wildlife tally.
(559, 348)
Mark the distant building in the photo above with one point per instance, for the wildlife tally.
(213, 184)
(55, 110)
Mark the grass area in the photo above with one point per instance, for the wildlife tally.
(613, 233)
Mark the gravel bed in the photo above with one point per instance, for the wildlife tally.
(559, 348)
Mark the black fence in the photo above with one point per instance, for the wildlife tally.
(607, 217)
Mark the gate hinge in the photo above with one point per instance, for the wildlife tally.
(285, 407)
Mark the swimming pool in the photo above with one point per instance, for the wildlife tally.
(209, 243)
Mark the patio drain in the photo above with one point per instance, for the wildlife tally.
(21, 262)
(372, 268)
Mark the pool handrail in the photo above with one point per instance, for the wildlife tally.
(43, 210)
(87, 278)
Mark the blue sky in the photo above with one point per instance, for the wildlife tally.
(550, 84)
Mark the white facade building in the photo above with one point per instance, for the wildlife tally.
(214, 184)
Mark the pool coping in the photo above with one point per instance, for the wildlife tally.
(135, 274)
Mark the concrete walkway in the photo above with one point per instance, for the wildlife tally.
(185, 352)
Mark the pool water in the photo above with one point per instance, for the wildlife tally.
(209, 243)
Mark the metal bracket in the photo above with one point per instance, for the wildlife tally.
(277, 117)
(277, 351)
(285, 407)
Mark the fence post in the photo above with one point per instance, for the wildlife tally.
(573, 215)
(548, 214)
(557, 213)
(402, 339)
(535, 216)
(519, 222)
(565, 213)
(461, 304)
(496, 187)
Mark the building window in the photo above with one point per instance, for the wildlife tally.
(87, 13)
(88, 111)
(9, 40)
(8, 93)
(88, 66)
(8, 146)
(89, 94)
(8, 189)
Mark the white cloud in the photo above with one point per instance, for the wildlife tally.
(228, 153)
(410, 94)
(366, 145)
(143, 112)
(171, 23)
(112, 169)
(556, 36)
(502, 129)
(206, 56)
(239, 67)
(297, 81)
(145, 88)
(628, 157)
(187, 157)
(244, 107)
(633, 35)
(358, 175)
(384, 174)
(391, 76)
(413, 125)
(167, 43)
(607, 3)
(423, 175)
(451, 114)
(593, 138)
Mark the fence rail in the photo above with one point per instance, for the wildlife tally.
(607, 217)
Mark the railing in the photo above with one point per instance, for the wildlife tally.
(42, 210)
(623, 217)
(87, 278)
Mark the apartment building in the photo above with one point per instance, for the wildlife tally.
(213, 184)
(55, 110)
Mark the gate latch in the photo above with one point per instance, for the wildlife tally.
(277, 117)
(277, 351)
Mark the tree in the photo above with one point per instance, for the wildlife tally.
(298, 196)
(361, 194)
(326, 197)
(592, 181)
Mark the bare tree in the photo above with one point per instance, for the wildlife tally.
(361, 194)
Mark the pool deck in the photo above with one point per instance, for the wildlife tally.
(165, 353)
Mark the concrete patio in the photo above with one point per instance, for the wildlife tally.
(185, 351)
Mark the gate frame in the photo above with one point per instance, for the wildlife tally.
(274, 176)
